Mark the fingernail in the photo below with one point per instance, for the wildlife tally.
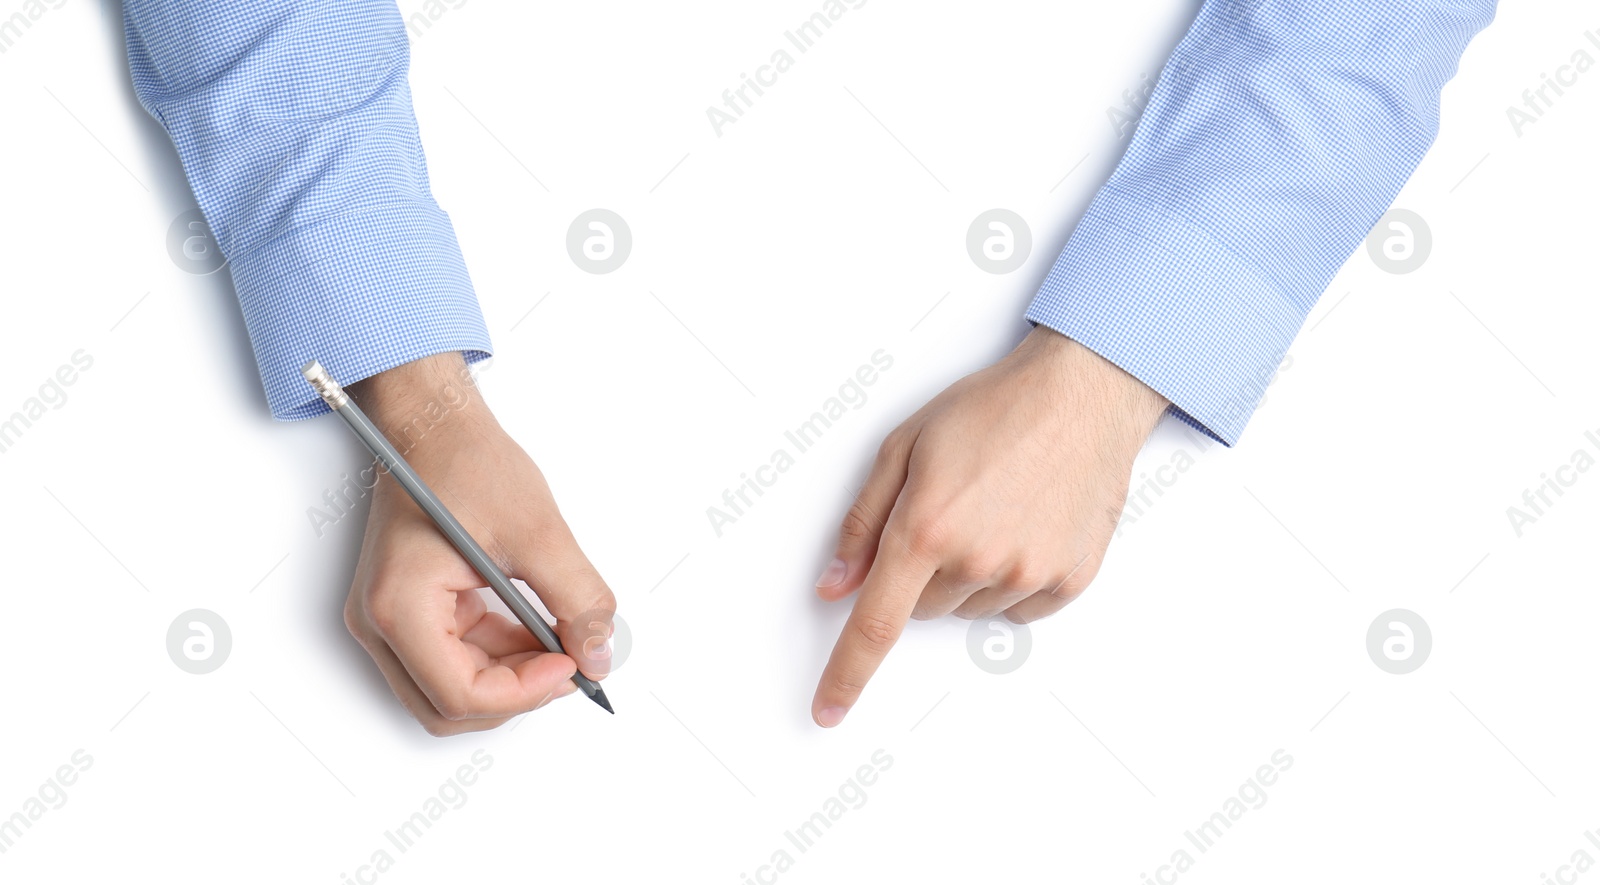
(597, 649)
(832, 576)
(828, 717)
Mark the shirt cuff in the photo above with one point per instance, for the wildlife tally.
(1171, 306)
(361, 293)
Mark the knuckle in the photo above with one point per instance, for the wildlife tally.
(1077, 582)
(442, 728)
(928, 532)
(352, 618)
(845, 686)
(437, 728)
(876, 633)
(976, 568)
(602, 604)
(453, 707)
(384, 610)
(1025, 574)
(1054, 605)
(1070, 591)
(857, 529)
(894, 443)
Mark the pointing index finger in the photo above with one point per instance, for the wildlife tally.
(881, 610)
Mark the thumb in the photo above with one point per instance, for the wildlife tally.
(863, 524)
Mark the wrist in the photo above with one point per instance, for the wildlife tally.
(1089, 375)
(420, 403)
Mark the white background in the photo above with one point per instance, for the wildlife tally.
(1229, 622)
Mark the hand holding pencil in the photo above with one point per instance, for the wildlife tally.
(414, 604)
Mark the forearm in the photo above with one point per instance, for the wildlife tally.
(1278, 133)
(295, 129)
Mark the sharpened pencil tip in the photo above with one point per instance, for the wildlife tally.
(599, 697)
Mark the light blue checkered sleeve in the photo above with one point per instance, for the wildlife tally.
(293, 121)
(1277, 134)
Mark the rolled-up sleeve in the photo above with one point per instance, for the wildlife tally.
(294, 125)
(1278, 132)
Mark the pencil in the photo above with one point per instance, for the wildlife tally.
(395, 463)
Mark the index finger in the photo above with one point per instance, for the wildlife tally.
(887, 598)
